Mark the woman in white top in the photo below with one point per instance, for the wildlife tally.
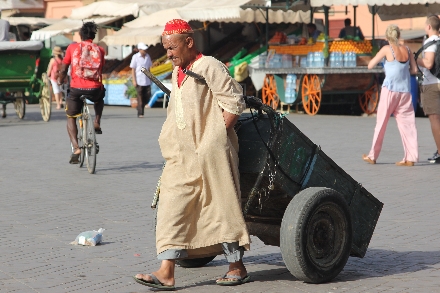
(395, 98)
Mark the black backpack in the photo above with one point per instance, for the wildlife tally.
(435, 70)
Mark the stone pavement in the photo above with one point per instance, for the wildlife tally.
(46, 203)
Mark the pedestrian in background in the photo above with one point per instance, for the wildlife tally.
(395, 98)
(52, 73)
(350, 30)
(199, 212)
(140, 80)
(430, 89)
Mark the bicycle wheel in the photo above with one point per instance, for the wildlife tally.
(89, 142)
(81, 141)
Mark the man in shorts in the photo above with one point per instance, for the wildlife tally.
(79, 86)
(430, 90)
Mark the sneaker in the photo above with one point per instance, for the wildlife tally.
(435, 158)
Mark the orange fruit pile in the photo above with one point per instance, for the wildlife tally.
(298, 49)
(362, 47)
(278, 38)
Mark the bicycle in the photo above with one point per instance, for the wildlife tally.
(87, 142)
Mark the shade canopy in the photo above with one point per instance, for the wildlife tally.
(150, 6)
(31, 21)
(105, 8)
(275, 16)
(65, 26)
(212, 10)
(131, 36)
(158, 18)
(407, 11)
(21, 4)
(319, 3)
(244, 15)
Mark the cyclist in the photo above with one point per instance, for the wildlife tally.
(87, 60)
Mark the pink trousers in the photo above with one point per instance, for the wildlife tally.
(400, 105)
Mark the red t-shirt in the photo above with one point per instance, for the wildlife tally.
(75, 81)
(181, 75)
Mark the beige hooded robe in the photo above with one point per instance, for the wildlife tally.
(199, 205)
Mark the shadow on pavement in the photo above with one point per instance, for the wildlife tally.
(131, 168)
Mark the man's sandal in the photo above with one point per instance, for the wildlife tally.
(238, 280)
(154, 283)
(98, 129)
(74, 158)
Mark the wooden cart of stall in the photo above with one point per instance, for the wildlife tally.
(313, 83)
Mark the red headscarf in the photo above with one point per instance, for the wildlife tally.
(177, 26)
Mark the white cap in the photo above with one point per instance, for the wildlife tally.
(142, 46)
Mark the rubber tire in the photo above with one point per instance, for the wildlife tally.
(20, 106)
(46, 98)
(300, 223)
(90, 139)
(81, 133)
(195, 262)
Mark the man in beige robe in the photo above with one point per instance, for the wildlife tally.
(199, 212)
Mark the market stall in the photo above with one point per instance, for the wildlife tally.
(302, 74)
(300, 70)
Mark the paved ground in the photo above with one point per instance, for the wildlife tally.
(46, 203)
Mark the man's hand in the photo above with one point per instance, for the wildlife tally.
(62, 74)
(230, 119)
(134, 83)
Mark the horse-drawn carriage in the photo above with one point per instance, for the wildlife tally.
(23, 67)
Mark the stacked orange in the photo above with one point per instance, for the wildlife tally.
(278, 38)
(298, 49)
(362, 47)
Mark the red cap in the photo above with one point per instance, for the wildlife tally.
(177, 26)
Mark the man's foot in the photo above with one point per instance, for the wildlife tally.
(74, 157)
(147, 107)
(140, 116)
(98, 129)
(236, 275)
(435, 158)
(155, 280)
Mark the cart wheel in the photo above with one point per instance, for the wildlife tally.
(269, 92)
(20, 105)
(311, 93)
(195, 262)
(46, 98)
(369, 100)
(316, 235)
(4, 111)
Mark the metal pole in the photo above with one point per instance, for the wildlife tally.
(374, 14)
(267, 28)
(354, 16)
(326, 48)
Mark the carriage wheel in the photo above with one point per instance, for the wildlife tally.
(269, 92)
(20, 105)
(311, 93)
(46, 98)
(369, 99)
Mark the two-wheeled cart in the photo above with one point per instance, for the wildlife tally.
(23, 67)
(295, 197)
